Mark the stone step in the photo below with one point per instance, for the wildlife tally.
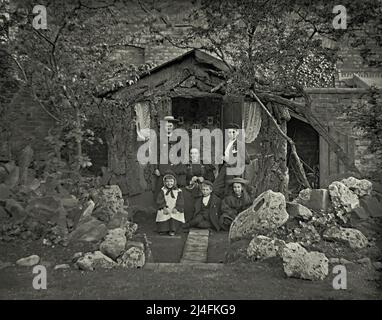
(196, 247)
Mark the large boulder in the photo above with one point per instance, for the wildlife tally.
(314, 199)
(262, 247)
(120, 220)
(299, 263)
(114, 244)
(343, 199)
(353, 237)
(132, 258)
(359, 187)
(95, 260)
(267, 213)
(108, 202)
(89, 231)
(297, 210)
(28, 261)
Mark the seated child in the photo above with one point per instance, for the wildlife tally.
(170, 203)
(235, 203)
(206, 209)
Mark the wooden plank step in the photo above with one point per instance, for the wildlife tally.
(196, 247)
(180, 267)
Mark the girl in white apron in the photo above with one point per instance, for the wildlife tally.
(170, 205)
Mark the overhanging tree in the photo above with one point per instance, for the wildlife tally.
(274, 49)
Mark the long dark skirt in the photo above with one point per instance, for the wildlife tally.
(169, 225)
(190, 196)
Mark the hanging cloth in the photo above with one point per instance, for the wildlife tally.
(252, 120)
(142, 120)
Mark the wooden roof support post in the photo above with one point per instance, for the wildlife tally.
(290, 141)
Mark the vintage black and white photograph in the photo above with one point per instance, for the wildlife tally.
(196, 150)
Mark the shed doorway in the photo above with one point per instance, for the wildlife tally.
(199, 113)
(307, 143)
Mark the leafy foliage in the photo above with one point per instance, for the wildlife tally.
(272, 45)
(68, 65)
(366, 115)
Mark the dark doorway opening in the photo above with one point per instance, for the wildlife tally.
(307, 145)
(199, 113)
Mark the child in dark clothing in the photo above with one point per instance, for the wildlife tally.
(235, 203)
(206, 210)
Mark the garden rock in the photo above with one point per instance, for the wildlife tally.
(89, 231)
(136, 244)
(119, 220)
(343, 199)
(262, 247)
(28, 261)
(108, 201)
(96, 260)
(353, 237)
(88, 211)
(314, 199)
(298, 210)
(15, 209)
(299, 263)
(267, 213)
(360, 187)
(132, 258)
(61, 266)
(114, 244)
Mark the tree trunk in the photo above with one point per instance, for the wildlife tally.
(269, 167)
(283, 133)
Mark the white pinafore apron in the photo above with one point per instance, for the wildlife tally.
(170, 202)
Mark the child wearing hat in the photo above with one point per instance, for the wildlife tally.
(170, 205)
(207, 209)
(236, 202)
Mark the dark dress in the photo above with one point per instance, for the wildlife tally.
(231, 206)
